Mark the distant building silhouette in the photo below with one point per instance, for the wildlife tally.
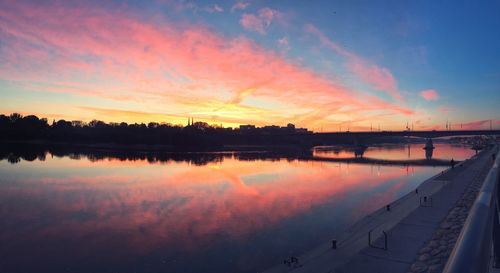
(247, 127)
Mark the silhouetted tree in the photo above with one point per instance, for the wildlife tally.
(15, 116)
(198, 135)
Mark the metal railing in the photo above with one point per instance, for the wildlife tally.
(472, 252)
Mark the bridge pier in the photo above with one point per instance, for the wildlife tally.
(359, 148)
(429, 148)
(359, 151)
(429, 145)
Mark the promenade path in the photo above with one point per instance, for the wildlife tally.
(410, 225)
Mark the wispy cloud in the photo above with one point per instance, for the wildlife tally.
(429, 94)
(259, 22)
(240, 6)
(379, 78)
(283, 44)
(214, 8)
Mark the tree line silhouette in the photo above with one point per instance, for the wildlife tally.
(17, 152)
(16, 127)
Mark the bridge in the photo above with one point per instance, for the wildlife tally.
(360, 137)
(421, 134)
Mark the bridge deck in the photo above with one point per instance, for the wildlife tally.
(424, 134)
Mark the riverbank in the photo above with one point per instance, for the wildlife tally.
(409, 224)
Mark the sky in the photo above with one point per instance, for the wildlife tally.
(324, 65)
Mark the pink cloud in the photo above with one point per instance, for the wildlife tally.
(260, 22)
(165, 68)
(379, 78)
(429, 94)
(240, 6)
(267, 14)
(444, 109)
(253, 23)
(479, 124)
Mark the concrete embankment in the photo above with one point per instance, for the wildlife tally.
(421, 228)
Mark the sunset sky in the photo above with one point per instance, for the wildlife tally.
(318, 64)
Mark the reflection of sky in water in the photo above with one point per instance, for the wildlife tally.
(400, 152)
(127, 216)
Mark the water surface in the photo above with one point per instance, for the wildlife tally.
(199, 212)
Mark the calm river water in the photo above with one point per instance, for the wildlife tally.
(80, 211)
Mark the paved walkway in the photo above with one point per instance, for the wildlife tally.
(434, 255)
(410, 224)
